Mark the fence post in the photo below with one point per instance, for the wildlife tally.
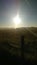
(22, 47)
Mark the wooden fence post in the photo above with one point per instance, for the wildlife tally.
(22, 47)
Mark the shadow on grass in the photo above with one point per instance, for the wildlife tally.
(7, 58)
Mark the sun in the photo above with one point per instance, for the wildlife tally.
(16, 20)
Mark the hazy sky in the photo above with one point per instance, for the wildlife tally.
(27, 10)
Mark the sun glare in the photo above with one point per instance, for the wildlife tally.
(16, 20)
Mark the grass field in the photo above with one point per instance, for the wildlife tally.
(10, 40)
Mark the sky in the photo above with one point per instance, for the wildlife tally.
(27, 10)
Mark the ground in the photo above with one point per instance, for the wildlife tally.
(10, 44)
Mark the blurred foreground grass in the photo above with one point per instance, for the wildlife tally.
(10, 39)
